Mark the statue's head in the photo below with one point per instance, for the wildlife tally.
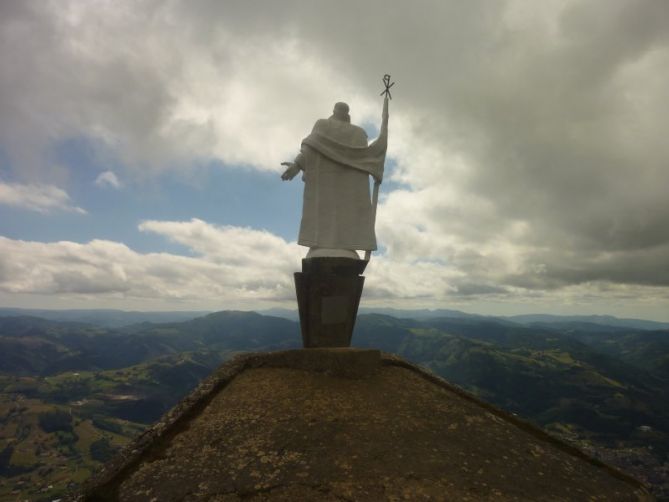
(340, 112)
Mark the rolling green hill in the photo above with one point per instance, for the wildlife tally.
(600, 387)
(537, 373)
(34, 346)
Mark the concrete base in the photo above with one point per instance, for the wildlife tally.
(328, 294)
(278, 427)
(337, 362)
(330, 252)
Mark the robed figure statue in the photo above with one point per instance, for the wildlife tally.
(338, 214)
(338, 217)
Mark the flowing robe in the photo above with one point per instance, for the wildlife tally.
(337, 211)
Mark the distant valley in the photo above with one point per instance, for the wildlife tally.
(77, 386)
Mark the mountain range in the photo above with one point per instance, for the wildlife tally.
(119, 318)
(73, 392)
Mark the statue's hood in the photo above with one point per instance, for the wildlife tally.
(346, 144)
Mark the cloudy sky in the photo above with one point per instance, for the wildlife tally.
(528, 164)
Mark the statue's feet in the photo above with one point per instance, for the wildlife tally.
(329, 252)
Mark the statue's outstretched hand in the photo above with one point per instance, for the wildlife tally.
(291, 172)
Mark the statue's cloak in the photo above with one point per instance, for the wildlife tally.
(337, 162)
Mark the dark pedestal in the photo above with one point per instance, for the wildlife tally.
(328, 295)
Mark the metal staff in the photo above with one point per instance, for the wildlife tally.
(382, 141)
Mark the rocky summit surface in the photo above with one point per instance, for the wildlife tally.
(322, 424)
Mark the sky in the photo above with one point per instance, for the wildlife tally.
(527, 166)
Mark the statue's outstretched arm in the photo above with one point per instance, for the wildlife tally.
(291, 172)
(293, 168)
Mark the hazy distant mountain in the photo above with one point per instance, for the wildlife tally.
(547, 320)
(544, 320)
(420, 314)
(104, 317)
(119, 318)
(35, 346)
(290, 314)
(605, 320)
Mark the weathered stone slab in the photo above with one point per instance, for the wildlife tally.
(344, 362)
(280, 427)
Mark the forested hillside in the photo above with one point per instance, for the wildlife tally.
(72, 393)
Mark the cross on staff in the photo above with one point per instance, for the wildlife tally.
(388, 84)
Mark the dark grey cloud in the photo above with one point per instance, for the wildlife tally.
(67, 77)
(476, 289)
(554, 112)
(554, 269)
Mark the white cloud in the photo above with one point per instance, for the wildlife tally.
(228, 245)
(229, 264)
(233, 267)
(158, 93)
(529, 136)
(33, 197)
(107, 179)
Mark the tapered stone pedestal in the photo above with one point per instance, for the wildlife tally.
(328, 294)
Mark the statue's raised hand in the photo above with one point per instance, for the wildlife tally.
(291, 172)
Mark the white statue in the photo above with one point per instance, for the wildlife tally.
(337, 213)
